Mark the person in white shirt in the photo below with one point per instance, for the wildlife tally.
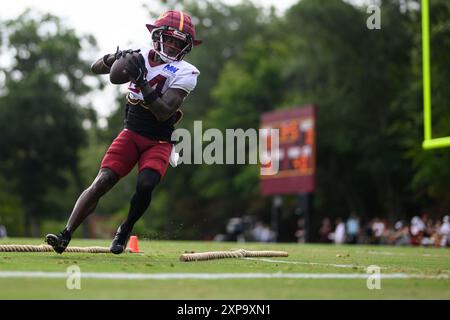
(444, 232)
(339, 233)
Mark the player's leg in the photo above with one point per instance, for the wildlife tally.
(84, 206)
(152, 167)
(88, 200)
(146, 183)
(119, 159)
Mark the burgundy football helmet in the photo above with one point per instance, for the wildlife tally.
(173, 35)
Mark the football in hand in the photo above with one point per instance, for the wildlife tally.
(118, 74)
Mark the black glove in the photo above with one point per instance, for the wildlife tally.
(136, 70)
(122, 54)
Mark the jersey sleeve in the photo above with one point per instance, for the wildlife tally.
(186, 80)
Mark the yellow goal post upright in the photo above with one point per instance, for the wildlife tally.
(429, 142)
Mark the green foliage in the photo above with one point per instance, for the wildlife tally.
(432, 174)
(367, 85)
(39, 111)
(11, 210)
(353, 74)
(367, 89)
(200, 194)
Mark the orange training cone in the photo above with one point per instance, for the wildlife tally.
(133, 245)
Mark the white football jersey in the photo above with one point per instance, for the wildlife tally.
(178, 74)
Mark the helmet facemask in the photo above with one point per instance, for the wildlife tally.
(171, 44)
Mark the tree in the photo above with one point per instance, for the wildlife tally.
(225, 30)
(40, 110)
(366, 83)
(354, 75)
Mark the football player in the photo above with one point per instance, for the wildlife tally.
(161, 80)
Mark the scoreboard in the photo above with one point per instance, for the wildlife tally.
(296, 154)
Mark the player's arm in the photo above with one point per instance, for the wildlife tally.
(163, 108)
(103, 65)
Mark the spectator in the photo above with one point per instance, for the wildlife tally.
(267, 235)
(384, 239)
(247, 224)
(444, 232)
(325, 231)
(262, 233)
(235, 230)
(339, 232)
(300, 233)
(417, 230)
(257, 231)
(400, 237)
(352, 228)
(368, 233)
(378, 228)
(429, 234)
(3, 233)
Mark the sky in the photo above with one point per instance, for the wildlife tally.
(117, 25)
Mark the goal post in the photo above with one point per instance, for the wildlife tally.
(429, 142)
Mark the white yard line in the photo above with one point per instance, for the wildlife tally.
(353, 266)
(207, 276)
(388, 253)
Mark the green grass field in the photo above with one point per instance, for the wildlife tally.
(430, 268)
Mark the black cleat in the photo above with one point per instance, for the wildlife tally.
(59, 241)
(120, 241)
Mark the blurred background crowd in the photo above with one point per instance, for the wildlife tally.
(419, 231)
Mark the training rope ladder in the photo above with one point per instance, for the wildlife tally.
(186, 257)
(239, 253)
(47, 248)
